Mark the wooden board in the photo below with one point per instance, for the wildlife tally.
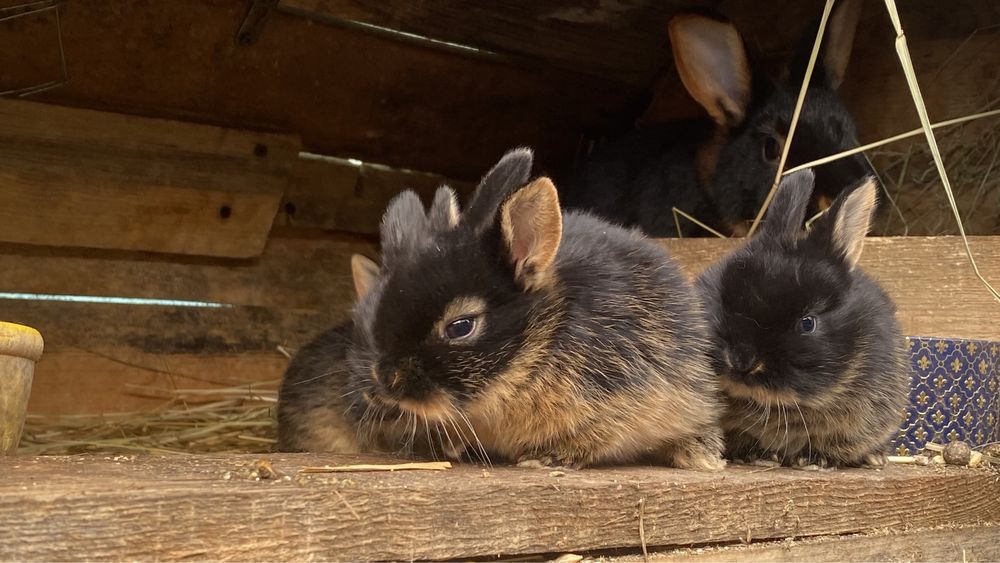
(347, 92)
(300, 286)
(958, 543)
(351, 196)
(623, 41)
(929, 278)
(213, 508)
(76, 177)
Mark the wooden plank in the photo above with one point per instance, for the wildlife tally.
(929, 278)
(960, 543)
(624, 41)
(301, 286)
(296, 271)
(215, 508)
(351, 196)
(958, 76)
(348, 92)
(76, 177)
(95, 351)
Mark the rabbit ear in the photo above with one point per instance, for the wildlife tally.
(836, 48)
(365, 273)
(531, 225)
(712, 64)
(512, 172)
(443, 215)
(404, 226)
(848, 220)
(788, 208)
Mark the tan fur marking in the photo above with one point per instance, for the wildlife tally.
(467, 306)
(531, 222)
(435, 409)
(839, 40)
(707, 157)
(712, 64)
(759, 394)
(365, 272)
(853, 221)
(823, 202)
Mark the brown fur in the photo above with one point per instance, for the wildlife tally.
(531, 223)
(853, 223)
(723, 92)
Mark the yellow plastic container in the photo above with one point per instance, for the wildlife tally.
(20, 348)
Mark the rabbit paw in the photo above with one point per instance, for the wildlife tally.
(874, 461)
(699, 454)
(558, 461)
(812, 462)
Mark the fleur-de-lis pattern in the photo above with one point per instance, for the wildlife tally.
(954, 393)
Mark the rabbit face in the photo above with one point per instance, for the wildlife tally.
(749, 161)
(786, 316)
(439, 341)
(782, 328)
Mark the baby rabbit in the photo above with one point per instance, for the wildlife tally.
(719, 169)
(515, 331)
(807, 347)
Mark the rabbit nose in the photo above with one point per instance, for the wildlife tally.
(746, 363)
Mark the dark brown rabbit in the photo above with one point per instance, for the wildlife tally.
(720, 169)
(512, 331)
(807, 347)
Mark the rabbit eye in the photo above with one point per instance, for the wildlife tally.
(459, 329)
(808, 324)
(772, 149)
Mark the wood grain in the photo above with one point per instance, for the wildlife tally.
(76, 177)
(961, 543)
(929, 278)
(336, 194)
(300, 286)
(212, 507)
(623, 41)
(347, 92)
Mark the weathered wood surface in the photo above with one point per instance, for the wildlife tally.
(959, 543)
(128, 507)
(337, 194)
(300, 286)
(75, 177)
(347, 92)
(929, 278)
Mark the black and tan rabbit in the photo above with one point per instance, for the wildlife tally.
(807, 346)
(515, 332)
(720, 168)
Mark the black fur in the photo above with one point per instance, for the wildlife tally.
(841, 388)
(636, 179)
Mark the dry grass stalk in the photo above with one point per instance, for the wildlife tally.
(224, 420)
(416, 466)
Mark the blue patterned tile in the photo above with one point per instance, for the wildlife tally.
(954, 393)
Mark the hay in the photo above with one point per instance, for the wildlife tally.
(971, 152)
(236, 419)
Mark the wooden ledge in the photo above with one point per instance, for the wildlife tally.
(145, 507)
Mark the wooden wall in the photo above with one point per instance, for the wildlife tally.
(237, 153)
(301, 285)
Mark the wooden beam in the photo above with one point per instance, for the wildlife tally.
(351, 195)
(98, 507)
(300, 286)
(75, 177)
(623, 42)
(959, 543)
(347, 92)
(929, 278)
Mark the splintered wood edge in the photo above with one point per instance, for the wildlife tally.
(193, 506)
